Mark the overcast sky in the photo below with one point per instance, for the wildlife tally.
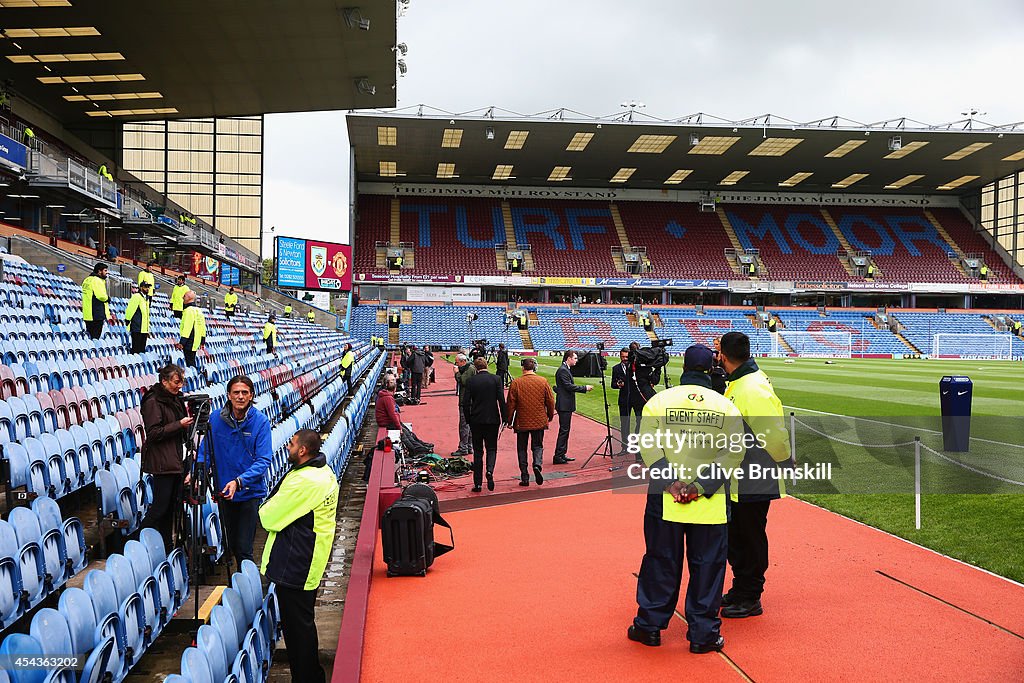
(800, 59)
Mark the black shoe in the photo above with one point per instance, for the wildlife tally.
(648, 638)
(459, 454)
(490, 481)
(562, 461)
(476, 489)
(742, 610)
(537, 475)
(726, 599)
(525, 481)
(714, 646)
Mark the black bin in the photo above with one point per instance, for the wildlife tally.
(955, 392)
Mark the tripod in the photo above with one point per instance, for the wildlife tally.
(202, 483)
(605, 448)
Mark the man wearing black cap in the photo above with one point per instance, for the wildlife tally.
(686, 511)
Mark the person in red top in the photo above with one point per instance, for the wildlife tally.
(386, 411)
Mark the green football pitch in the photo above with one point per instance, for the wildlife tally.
(863, 416)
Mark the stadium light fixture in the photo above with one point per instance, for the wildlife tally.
(844, 149)
(489, 133)
(354, 18)
(559, 173)
(733, 178)
(403, 68)
(502, 172)
(19, 4)
(906, 149)
(678, 176)
(850, 180)
(56, 32)
(904, 181)
(451, 138)
(108, 97)
(401, 47)
(1016, 156)
(714, 145)
(579, 142)
(623, 174)
(694, 140)
(966, 151)
(895, 143)
(103, 78)
(387, 136)
(67, 57)
(796, 179)
(446, 170)
(651, 144)
(774, 147)
(962, 180)
(516, 139)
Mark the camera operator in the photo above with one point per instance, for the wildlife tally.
(241, 455)
(647, 363)
(630, 398)
(166, 421)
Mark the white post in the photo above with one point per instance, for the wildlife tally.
(792, 447)
(917, 482)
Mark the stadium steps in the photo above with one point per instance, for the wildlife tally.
(727, 226)
(957, 261)
(827, 217)
(620, 227)
(382, 316)
(392, 335)
(910, 345)
(754, 320)
(657, 320)
(778, 321)
(524, 334)
(407, 316)
(380, 257)
(652, 335)
(631, 317)
(510, 233)
(534, 320)
(783, 344)
(396, 221)
(874, 323)
(499, 260)
(990, 321)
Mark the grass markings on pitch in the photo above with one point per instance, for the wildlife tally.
(986, 530)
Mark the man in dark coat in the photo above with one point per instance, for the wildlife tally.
(565, 403)
(486, 412)
(417, 364)
(630, 398)
(501, 365)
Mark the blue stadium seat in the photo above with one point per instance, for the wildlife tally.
(51, 546)
(30, 563)
(210, 643)
(195, 667)
(241, 668)
(77, 608)
(21, 645)
(70, 529)
(109, 624)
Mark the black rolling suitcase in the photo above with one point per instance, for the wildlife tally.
(408, 532)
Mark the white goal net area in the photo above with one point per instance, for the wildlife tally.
(973, 346)
(816, 344)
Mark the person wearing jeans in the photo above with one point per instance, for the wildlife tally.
(485, 411)
(240, 435)
(166, 421)
(530, 407)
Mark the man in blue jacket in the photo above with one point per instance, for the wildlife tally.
(241, 455)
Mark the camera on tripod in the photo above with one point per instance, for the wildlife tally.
(648, 362)
(199, 407)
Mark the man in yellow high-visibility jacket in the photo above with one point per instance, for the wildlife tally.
(751, 392)
(178, 296)
(347, 362)
(193, 328)
(288, 310)
(311, 317)
(230, 301)
(690, 437)
(95, 301)
(136, 316)
(270, 334)
(146, 275)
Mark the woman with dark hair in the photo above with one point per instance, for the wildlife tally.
(166, 421)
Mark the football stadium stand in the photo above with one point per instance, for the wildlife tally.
(457, 237)
(71, 431)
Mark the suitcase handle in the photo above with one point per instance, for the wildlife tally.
(440, 548)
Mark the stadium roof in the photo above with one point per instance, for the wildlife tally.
(698, 152)
(154, 59)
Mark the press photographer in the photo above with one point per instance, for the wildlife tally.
(166, 421)
(647, 363)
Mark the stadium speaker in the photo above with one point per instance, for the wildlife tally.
(590, 364)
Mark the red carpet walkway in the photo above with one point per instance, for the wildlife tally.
(544, 591)
(436, 420)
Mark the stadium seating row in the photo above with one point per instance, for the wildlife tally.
(458, 236)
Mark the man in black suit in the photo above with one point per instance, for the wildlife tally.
(501, 365)
(565, 404)
(630, 398)
(486, 412)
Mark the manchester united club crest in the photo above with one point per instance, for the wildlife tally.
(340, 264)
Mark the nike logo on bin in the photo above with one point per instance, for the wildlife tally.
(960, 393)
